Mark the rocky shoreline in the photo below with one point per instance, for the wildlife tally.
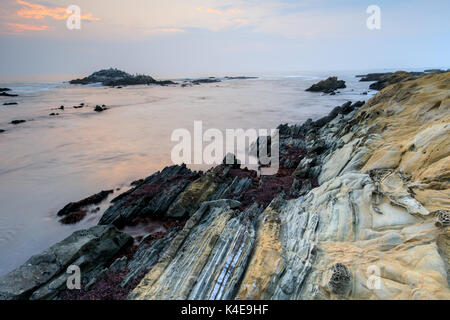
(361, 192)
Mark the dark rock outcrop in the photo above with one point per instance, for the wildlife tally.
(374, 76)
(327, 86)
(5, 94)
(44, 275)
(241, 78)
(206, 80)
(100, 108)
(18, 121)
(113, 77)
(382, 80)
(399, 76)
(150, 198)
(73, 212)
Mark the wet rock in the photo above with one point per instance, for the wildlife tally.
(73, 212)
(4, 89)
(1, 130)
(5, 94)
(150, 198)
(10, 103)
(100, 108)
(54, 114)
(44, 275)
(15, 122)
(327, 86)
(206, 80)
(74, 217)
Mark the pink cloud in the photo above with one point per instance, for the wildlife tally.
(38, 12)
(18, 27)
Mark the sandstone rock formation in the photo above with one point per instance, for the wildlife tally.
(358, 210)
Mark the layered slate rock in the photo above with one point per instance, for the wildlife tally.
(209, 254)
(44, 275)
(152, 197)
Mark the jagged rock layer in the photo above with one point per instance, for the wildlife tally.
(358, 210)
(368, 231)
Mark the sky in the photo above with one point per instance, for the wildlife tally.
(184, 37)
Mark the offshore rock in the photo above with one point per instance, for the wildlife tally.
(327, 86)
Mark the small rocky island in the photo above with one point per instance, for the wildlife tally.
(5, 92)
(114, 77)
(329, 85)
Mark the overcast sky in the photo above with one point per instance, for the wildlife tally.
(182, 37)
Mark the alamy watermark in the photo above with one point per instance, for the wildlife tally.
(74, 280)
(374, 20)
(74, 20)
(251, 147)
(374, 277)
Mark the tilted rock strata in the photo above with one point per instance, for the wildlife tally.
(365, 219)
(44, 275)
